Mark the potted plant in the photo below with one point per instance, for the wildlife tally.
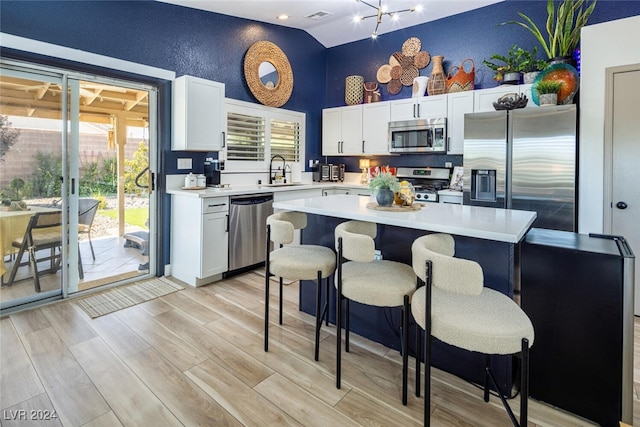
(562, 27)
(547, 91)
(384, 185)
(508, 68)
(530, 66)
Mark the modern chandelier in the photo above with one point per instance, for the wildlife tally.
(381, 11)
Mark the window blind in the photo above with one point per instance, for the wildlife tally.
(246, 136)
(285, 139)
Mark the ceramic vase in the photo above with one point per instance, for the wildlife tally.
(384, 197)
(548, 99)
(353, 90)
(419, 86)
(511, 78)
(438, 81)
(528, 78)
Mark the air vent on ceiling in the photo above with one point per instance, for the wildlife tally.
(319, 15)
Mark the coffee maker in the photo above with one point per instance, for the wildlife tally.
(212, 168)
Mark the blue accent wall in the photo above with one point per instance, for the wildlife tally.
(212, 46)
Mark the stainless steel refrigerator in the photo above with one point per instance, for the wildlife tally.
(523, 159)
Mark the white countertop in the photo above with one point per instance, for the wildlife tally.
(503, 225)
(257, 189)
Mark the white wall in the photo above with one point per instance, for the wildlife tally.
(603, 45)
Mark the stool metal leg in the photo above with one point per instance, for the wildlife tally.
(346, 325)
(326, 300)
(427, 348)
(267, 278)
(280, 302)
(524, 383)
(418, 348)
(266, 309)
(318, 314)
(487, 378)
(405, 348)
(339, 317)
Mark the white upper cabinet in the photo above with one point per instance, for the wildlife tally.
(198, 114)
(356, 130)
(342, 131)
(375, 128)
(459, 104)
(484, 98)
(425, 107)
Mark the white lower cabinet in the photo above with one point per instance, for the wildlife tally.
(199, 238)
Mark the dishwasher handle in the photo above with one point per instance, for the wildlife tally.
(252, 200)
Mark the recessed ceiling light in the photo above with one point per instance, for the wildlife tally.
(283, 16)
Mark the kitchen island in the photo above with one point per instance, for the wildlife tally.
(501, 225)
(489, 236)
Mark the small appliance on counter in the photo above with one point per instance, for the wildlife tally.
(337, 172)
(327, 172)
(212, 168)
(321, 172)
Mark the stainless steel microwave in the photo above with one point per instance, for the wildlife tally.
(417, 136)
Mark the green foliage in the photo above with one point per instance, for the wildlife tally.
(385, 180)
(547, 86)
(132, 216)
(98, 179)
(517, 60)
(134, 167)
(562, 27)
(528, 61)
(8, 135)
(46, 177)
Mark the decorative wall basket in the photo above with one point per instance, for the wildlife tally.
(459, 79)
(274, 95)
(404, 66)
(438, 81)
(353, 90)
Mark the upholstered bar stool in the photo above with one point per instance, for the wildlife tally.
(455, 307)
(361, 278)
(296, 262)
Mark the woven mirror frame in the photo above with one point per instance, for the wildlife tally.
(264, 51)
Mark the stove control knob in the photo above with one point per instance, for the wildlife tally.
(418, 196)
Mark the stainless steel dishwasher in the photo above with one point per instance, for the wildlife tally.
(247, 229)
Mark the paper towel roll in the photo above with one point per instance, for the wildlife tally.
(296, 172)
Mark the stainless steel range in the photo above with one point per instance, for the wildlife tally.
(426, 181)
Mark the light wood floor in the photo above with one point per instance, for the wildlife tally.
(113, 262)
(196, 357)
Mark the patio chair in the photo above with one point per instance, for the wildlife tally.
(43, 232)
(87, 209)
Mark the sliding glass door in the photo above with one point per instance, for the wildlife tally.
(82, 146)
(31, 158)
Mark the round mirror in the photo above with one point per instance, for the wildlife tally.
(268, 75)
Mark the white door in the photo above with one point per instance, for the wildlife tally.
(625, 162)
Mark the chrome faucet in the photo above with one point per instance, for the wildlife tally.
(284, 165)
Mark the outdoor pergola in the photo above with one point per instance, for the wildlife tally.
(100, 103)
